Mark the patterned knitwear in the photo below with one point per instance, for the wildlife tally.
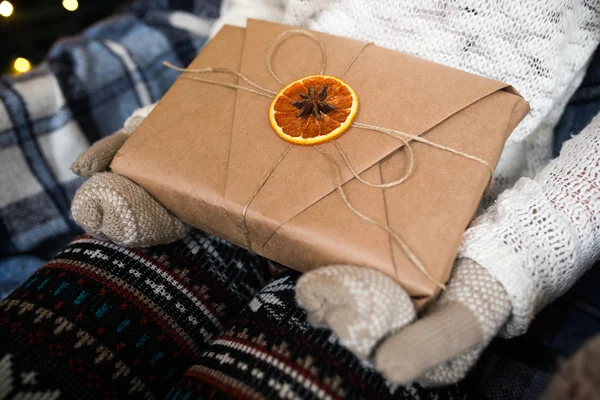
(187, 320)
(270, 351)
(102, 321)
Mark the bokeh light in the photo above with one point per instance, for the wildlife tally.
(21, 65)
(70, 5)
(6, 8)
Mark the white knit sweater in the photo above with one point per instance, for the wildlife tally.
(542, 235)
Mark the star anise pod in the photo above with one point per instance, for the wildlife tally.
(313, 103)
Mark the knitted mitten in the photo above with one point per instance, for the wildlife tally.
(361, 305)
(463, 322)
(99, 156)
(525, 251)
(110, 206)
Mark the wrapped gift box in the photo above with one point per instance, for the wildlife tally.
(205, 149)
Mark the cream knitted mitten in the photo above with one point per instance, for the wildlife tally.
(110, 206)
(98, 157)
(361, 305)
(463, 322)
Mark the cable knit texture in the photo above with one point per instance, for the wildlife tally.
(541, 236)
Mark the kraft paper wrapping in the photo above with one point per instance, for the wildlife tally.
(205, 149)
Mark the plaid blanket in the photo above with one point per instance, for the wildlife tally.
(86, 88)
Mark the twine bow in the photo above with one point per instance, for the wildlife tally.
(404, 137)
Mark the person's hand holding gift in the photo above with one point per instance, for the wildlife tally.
(526, 250)
(110, 206)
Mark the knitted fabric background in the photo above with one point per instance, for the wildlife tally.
(187, 320)
(104, 321)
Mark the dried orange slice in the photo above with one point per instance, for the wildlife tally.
(313, 110)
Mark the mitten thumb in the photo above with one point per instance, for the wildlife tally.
(99, 156)
(467, 316)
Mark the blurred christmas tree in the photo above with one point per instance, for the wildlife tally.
(29, 27)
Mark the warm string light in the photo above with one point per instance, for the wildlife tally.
(6, 8)
(21, 65)
(70, 5)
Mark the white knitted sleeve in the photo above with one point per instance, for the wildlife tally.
(236, 12)
(135, 119)
(542, 235)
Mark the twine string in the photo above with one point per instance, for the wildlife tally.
(263, 91)
(247, 238)
(407, 250)
(355, 58)
(404, 137)
(279, 40)
(407, 174)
